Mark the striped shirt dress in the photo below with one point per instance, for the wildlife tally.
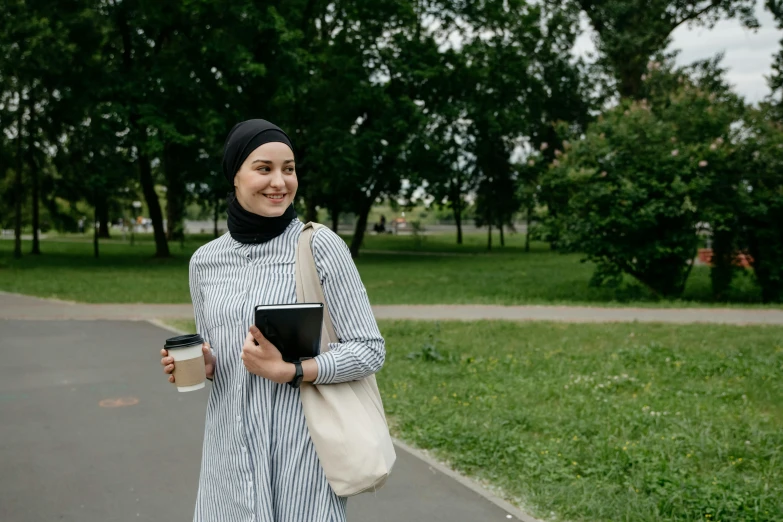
(258, 461)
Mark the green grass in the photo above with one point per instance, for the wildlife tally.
(122, 274)
(622, 422)
(505, 276)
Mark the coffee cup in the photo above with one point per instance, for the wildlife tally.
(189, 371)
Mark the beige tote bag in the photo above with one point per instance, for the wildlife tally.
(346, 420)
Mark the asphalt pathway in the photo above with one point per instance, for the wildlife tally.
(15, 306)
(92, 432)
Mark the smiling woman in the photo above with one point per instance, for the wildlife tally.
(266, 182)
(259, 162)
(259, 463)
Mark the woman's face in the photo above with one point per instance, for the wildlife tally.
(266, 182)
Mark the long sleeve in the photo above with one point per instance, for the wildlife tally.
(197, 298)
(361, 350)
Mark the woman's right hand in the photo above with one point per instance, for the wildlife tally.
(168, 362)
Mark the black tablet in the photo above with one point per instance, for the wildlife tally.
(295, 329)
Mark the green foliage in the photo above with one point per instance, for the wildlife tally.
(649, 174)
(631, 32)
(762, 197)
(632, 198)
(429, 351)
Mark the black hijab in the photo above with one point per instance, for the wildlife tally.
(244, 138)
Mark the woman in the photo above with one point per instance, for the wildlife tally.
(258, 462)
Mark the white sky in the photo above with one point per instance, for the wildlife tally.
(748, 55)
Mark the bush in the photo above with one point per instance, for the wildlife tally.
(649, 176)
(632, 199)
(762, 196)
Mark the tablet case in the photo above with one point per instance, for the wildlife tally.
(295, 329)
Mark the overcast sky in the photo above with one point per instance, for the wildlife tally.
(748, 54)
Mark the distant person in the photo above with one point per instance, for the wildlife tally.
(258, 461)
(380, 226)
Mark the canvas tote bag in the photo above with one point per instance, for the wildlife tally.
(346, 420)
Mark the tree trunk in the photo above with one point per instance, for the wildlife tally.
(140, 132)
(723, 251)
(95, 230)
(175, 192)
(102, 215)
(502, 239)
(153, 204)
(334, 214)
(361, 226)
(630, 84)
(33, 177)
(763, 245)
(489, 236)
(18, 184)
(311, 212)
(175, 211)
(527, 231)
(217, 209)
(456, 203)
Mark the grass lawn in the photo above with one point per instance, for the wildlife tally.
(431, 274)
(615, 422)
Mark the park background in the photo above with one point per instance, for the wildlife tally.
(618, 178)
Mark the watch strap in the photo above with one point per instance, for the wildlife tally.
(297, 380)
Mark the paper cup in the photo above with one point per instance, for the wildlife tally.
(189, 371)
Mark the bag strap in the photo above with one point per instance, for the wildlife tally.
(308, 284)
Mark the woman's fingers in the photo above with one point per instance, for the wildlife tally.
(167, 363)
(250, 340)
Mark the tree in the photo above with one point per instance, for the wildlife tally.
(762, 211)
(630, 32)
(631, 206)
(707, 115)
(361, 140)
(38, 46)
(649, 172)
(139, 32)
(442, 153)
(523, 80)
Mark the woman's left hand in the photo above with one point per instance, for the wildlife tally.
(264, 359)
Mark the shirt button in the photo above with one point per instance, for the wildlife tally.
(239, 418)
(244, 449)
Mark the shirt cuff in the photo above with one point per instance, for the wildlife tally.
(327, 368)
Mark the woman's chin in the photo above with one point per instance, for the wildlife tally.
(270, 211)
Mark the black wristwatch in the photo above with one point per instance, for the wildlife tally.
(297, 380)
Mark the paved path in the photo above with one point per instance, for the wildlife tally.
(69, 456)
(71, 452)
(14, 306)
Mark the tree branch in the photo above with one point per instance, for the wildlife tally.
(695, 14)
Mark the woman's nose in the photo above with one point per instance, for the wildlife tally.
(277, 178)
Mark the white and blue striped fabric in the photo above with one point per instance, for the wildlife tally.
(258, 462)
